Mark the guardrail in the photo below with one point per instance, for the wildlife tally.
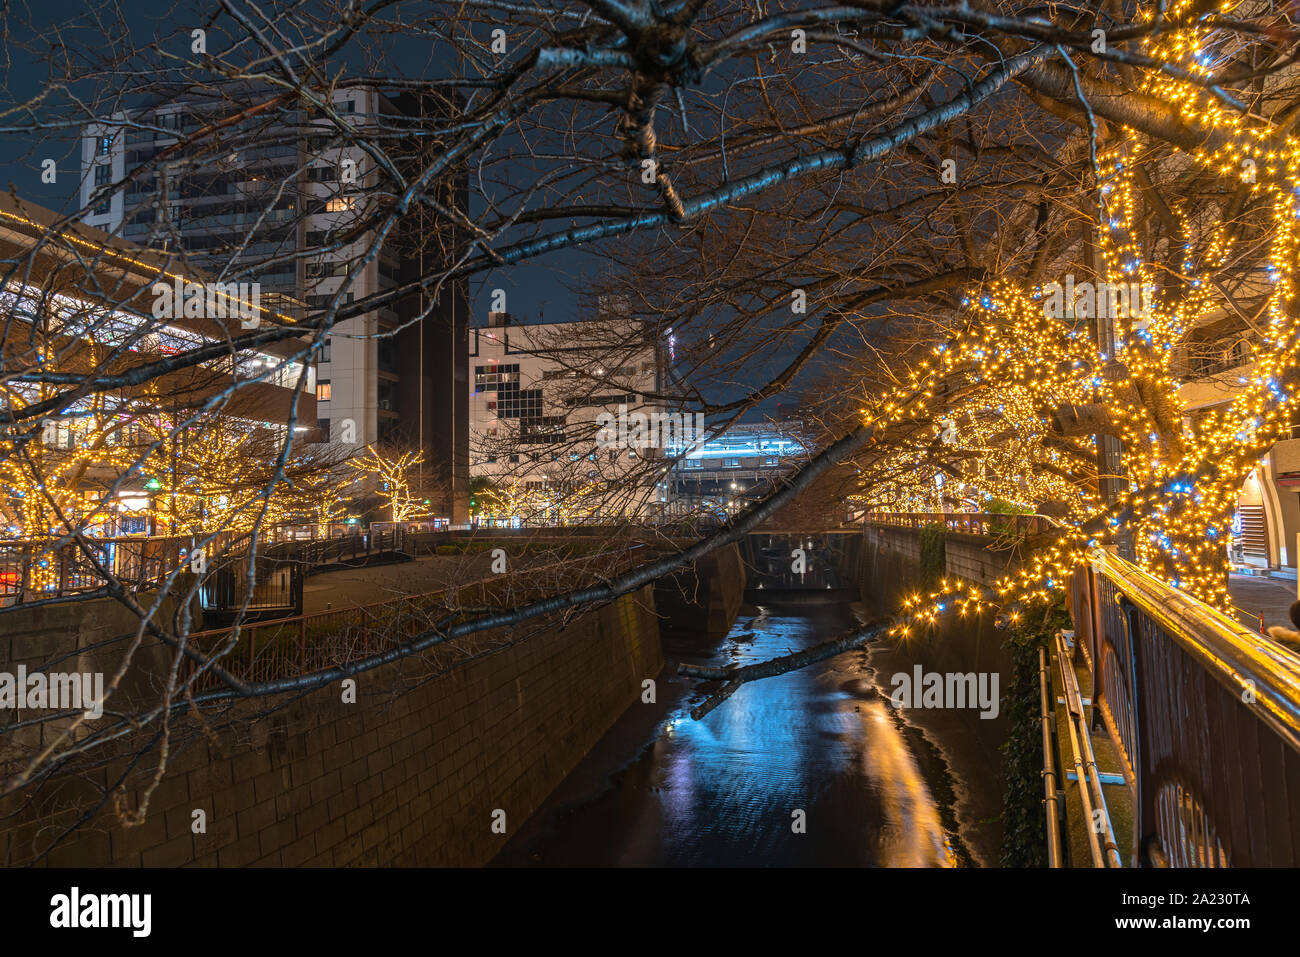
(40, 570)
(972, 523)
(1205, 715)
(302, 644)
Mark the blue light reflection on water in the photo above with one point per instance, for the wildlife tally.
(723, 790)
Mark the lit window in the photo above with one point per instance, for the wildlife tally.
(340, 204)
(322, 391)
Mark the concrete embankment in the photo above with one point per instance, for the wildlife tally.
(435, 760)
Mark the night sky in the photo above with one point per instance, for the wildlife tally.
(538, 289)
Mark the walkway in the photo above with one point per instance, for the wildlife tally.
(1267, 597)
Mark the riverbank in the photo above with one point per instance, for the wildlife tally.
(812, 768)
(959, 752)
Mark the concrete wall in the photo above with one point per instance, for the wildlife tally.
(409, 778)
(78, 637)
(890, 570)
(706, 597)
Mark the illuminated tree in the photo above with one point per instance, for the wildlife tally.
(769, 207)
(227, 476)
(508, 500)
(1010, 405)
(400, 479)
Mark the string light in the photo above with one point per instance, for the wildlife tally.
(1012, 366)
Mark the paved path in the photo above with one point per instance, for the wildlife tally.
(364, 586)
(1262, 596)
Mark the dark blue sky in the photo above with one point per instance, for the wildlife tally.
(542, 289)
(534, 290)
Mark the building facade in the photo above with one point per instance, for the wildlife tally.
(564, 418)
(723, 473)
(276, 205)
(88, 305)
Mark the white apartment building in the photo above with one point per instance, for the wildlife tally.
(298, 188)
(556, 408)
(213, 208)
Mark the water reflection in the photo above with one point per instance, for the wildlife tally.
(725, 790)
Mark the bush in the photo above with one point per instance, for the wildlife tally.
(997, 506)
(934, 561)
(1024, 822)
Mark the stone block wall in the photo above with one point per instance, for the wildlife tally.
(410, 774)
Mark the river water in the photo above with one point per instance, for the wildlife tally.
(811, 768)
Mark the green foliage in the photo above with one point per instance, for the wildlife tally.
(933, 556)
(1024, 822)
(997, 506)
(479, 489)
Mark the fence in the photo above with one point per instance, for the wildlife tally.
(1205, 715)
(972, 523)
(277, 590)
(303, 644)
(36, 570)
(359, 546)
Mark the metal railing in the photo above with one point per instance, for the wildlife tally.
(275, 590)
(971, 523)
(360, 546)
(39, 570)
(303, 644)
(1205, 715)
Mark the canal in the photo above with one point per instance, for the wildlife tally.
(812, 768)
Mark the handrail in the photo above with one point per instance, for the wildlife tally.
(369, 607)
(975, 523)
(1265, 676)
(1087, 774)
(1049, 768)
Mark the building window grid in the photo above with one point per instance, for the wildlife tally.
(490, 378)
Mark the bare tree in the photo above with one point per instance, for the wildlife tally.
(815, 199)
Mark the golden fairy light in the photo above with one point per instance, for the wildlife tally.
(1013, 364)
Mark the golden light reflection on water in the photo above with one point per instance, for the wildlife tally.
(911, 831)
